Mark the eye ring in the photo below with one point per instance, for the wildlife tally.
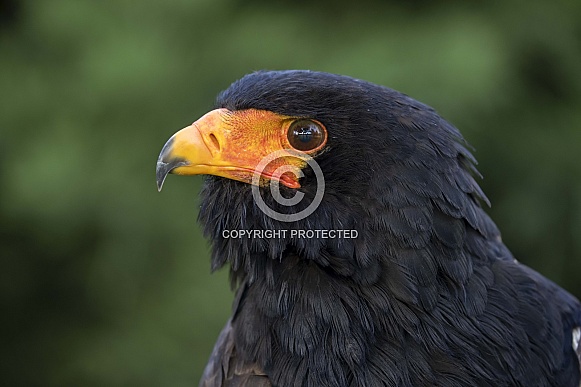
(306, 135)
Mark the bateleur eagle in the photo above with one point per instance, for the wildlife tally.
(397, 276)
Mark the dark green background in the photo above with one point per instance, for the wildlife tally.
(105, 282)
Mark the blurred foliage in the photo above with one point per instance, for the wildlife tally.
(103, 281)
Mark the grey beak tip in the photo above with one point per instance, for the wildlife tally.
(166, 164)
(161, 172)
(164, 168)
(160, 184)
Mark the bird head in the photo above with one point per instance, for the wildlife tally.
(387, 163)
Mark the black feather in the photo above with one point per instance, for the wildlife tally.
(427, 294)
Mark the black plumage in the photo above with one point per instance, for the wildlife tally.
(426, 295)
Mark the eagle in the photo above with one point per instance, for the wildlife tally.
(358, 246)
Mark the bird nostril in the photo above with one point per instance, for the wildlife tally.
(215, 141)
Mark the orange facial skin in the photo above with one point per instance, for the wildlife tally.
(232, 144)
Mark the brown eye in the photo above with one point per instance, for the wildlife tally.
(306, 135)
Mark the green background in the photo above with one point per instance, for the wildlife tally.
(106, 282)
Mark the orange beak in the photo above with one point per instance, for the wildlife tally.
(238, 145)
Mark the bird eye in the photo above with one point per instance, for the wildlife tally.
(306, 135)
